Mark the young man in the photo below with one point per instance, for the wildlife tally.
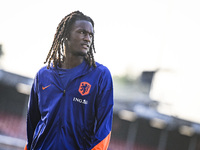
(71, 101)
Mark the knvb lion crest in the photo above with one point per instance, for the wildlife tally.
(84, 88)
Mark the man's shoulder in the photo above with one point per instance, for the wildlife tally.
(44, 70)
(102, 68)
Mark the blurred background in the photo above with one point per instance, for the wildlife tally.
(151, 48)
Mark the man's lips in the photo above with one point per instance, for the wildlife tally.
(86, 46)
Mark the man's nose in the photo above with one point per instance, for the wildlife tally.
(87, 38)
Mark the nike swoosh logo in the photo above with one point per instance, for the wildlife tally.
(43, 88)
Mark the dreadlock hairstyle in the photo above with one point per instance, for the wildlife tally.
(63, 30)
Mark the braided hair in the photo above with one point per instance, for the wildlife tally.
(56, 51)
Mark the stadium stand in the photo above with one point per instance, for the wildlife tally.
(14, 90)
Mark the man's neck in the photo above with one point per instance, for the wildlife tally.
(71, 61)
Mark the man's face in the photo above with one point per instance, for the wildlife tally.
(80, 38)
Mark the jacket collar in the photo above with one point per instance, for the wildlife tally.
(59, 84)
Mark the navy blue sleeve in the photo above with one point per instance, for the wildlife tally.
(104, 112)
(33, 115)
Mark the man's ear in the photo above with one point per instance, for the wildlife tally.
(65, 38)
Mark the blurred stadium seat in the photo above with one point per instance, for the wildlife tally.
(14, 91)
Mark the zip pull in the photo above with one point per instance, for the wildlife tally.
(64, 92)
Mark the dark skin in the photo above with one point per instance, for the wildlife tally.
(77, 44)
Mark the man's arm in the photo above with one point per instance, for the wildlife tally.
(33, 115)
(104, 113)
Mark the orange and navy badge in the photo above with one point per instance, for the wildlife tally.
(84, 88)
